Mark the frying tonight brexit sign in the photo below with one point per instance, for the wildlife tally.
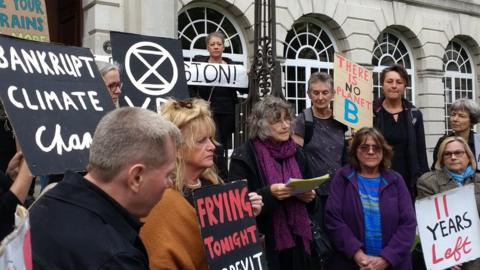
(228, 227)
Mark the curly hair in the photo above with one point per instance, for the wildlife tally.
(266, 111)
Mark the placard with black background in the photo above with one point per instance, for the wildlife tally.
(228, 227)
(152, 69)
(54, 97)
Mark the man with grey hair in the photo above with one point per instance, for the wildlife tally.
(111, 77)
(92, 222)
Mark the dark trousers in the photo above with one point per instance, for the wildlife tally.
(225, 126)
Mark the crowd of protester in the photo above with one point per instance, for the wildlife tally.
(133, 209)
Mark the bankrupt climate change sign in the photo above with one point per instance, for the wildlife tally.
(54, 97)
(228, 227)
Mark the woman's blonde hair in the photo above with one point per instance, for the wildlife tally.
(441, 149)
(190, 116)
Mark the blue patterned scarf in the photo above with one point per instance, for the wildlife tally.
(459, 178)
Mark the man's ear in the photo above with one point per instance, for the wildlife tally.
(135, 176)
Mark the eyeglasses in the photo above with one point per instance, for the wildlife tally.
(113, 86)
(187, 104)
(365, 148)
(458, 154)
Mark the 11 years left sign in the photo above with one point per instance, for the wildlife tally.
(449, 228)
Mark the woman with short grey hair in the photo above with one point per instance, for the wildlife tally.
(268, 160)
(111, 77)
(464, 114)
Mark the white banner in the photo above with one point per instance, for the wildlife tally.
(15, 249)
(198, 73)
(449, 227)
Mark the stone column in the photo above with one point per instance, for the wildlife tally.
(146, 17)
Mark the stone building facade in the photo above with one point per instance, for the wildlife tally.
(436, 40)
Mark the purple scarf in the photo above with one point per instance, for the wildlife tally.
(278, 163)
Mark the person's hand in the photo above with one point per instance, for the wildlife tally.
(361, 259)
(23, 179)
(456, 267)
(378, 263)
(281, 191)
(14, 165)
(306, 196)
(256, 201)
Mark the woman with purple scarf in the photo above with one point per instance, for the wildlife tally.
(268, 160)
(369, 215)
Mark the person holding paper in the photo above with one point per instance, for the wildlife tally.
(369, 215)
(464, 114)
(401, 124)
(455, 167)
(222, 99)
(268, 160)
(171, 232)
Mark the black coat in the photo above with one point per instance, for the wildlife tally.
(78, 226)
(244, 165)
(8, 206)
(417, 152)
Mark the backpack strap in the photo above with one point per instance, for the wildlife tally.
(308, 126)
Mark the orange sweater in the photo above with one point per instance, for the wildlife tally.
(171, 235)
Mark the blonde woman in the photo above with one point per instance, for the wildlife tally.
(171, 232)
(455, 166)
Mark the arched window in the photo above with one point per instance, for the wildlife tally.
(389, 49)
(195, 23)
(307, 48)
(458, 76)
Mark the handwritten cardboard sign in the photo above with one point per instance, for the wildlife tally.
(15, 249)
(54, 97)
(153, 69)
(449, 227)
(25, 19)
(198, 73)
(353, 93)
(228, 227)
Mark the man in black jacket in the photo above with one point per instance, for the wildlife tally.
(92, 222)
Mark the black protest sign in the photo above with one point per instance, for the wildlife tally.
(153, 69)
(228, 227)
(54, 97)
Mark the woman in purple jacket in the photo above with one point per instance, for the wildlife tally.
(369, 215)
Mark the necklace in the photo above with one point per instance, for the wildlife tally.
(196, 185)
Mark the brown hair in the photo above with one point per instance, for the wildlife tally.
(396, 68)
(360, 137)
